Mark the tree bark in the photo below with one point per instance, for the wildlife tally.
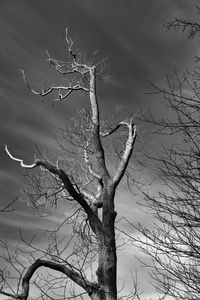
(107, 268)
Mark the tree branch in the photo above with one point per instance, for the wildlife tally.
(94, 220)
(75, 66)
(20, 160)
(9, 294)
(44, 92)
(73, 275)
(111, 131)
(56, 171)
(8, 207)
(182, 24)
(88, 163)
(60, 66)
(100, 156)
(127, 152)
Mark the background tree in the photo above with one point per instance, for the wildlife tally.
(80, 178)
(174, 243)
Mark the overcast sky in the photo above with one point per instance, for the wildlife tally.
(129, 32)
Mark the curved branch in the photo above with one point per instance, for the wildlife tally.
(111, 131)
(20, 160)
(73, 275)
(127, 152)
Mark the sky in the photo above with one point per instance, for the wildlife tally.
(139, 49)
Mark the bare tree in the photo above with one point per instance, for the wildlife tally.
(174, 242)
(82, 178)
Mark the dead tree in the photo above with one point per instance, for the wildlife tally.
(85, 181)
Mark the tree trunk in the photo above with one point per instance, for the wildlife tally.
(107, 269)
